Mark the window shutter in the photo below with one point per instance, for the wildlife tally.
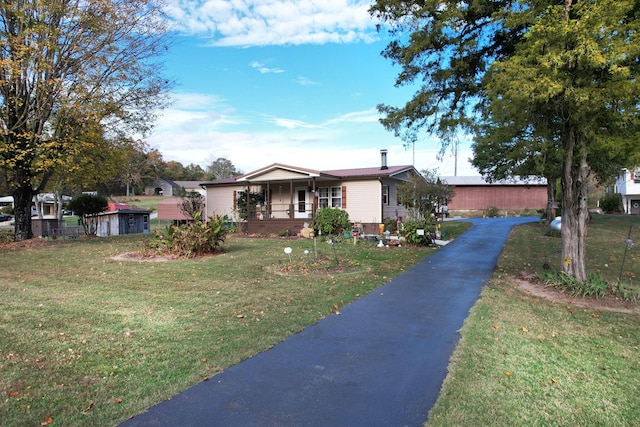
(344, 197)
(235, 199)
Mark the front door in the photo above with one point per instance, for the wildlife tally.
(301, 208)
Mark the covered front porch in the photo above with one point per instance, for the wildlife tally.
(280, 206)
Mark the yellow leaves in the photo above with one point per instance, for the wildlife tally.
(495, 326)
(554, 380)
(508, 373)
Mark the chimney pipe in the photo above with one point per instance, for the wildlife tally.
(383, 158)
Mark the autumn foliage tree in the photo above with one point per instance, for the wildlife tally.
(564, 71)
(66, 65)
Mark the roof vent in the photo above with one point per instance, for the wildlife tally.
(383, 159)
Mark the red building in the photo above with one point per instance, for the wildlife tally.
(473, 193)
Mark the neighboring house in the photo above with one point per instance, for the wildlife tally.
(628, 185)
(293, 194)
(473, 193)
(161, 187)
(191, 186)
(44, 204)
(167, 187)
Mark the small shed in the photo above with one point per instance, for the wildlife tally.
(124, 221)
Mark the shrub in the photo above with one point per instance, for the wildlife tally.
(492, 212)
(409, 231)
(331, 221)
(192, 239)
(594, 286)
(611, 203)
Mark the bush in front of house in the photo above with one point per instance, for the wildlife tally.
(331, 221)
(193, 239)
(611, 203)
(409, 231)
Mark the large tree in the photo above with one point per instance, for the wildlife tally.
(66, 63)
(566, 69)
(221, 168)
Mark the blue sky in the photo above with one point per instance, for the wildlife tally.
(294, 82)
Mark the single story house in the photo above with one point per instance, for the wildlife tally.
(474, 193)
(628, 186)
(167, 187)
(44, 204)
(293, 194)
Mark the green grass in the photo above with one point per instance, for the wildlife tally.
(524, 360)
(87, 340)
(141, 202)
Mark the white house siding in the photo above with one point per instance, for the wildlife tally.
(364, 201)
(220, 200)
(629, 189)
(280, 199)
(278, 174)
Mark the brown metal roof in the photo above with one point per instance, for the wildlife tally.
(336, 173)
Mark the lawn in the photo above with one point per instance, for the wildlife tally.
(523, 360)
(89, 340)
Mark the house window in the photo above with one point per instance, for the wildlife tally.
(336, 197)
(636, 176)
(385, 194)
(323, 197)
(330, 197)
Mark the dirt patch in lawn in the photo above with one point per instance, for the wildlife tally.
(531, 285)
(140, 257)
(26, 244)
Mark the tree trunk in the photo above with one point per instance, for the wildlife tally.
(22, 199)
(575, 212)
(551, 198)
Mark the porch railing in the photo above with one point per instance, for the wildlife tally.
(274, 211)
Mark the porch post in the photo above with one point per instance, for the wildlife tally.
(314, 198)
(268, 201)
(291, 207)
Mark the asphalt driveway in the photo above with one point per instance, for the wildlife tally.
(380, 363)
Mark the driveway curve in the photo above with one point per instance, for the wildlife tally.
(380, 363)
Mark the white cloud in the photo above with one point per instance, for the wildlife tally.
(304, 81)
(292, 124)
(274, 22)
(367, 116)
(261, 67)
(199, 129)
